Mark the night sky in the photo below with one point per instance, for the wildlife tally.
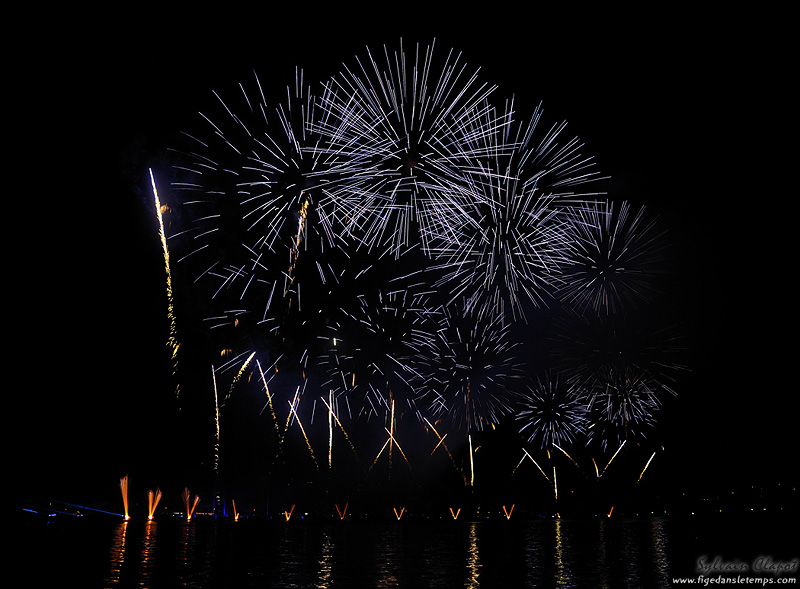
(688, 113)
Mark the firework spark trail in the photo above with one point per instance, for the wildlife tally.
(446, 449)
(528, 456)
(172, 340)
(564, 452)
(216, 420)
(332, 415)
(238, 377)
(269, 397)
(471, 462)
(641, 474)
(391, 441)
(611, 459)
(293, 411)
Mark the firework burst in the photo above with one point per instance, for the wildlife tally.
(400, 120)
(506, 251)
(378, 343)
(378, 243)
(610, 257)
(625, 365)
(469, 371)
(552, 412)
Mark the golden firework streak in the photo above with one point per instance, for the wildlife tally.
(653, 455)
(172, 339)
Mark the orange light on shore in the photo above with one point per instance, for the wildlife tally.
(342, 512)
(508, 512)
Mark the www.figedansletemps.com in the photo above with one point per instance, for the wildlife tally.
(705, 581)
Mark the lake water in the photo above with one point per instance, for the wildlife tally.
(599, 552)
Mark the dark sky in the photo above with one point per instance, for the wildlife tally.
(688, 113)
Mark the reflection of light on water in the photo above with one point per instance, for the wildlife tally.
(186, 553)
(473, 560)
(325, 562)
(147, 560)
(117, 556)
(658, 533)
(602, 555)
(563, 573)
(389, 564)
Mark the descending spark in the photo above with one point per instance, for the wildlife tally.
(399, 514)
(288, 514)
(455, 513)
(172, 339)
(235, 512)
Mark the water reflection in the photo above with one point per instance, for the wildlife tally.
(147, 559)
(546, 553)
(388, 553)
(186, 553)
(563, 574)
(117, 554)
(658, 535)
(473, 559)
(324, 573)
